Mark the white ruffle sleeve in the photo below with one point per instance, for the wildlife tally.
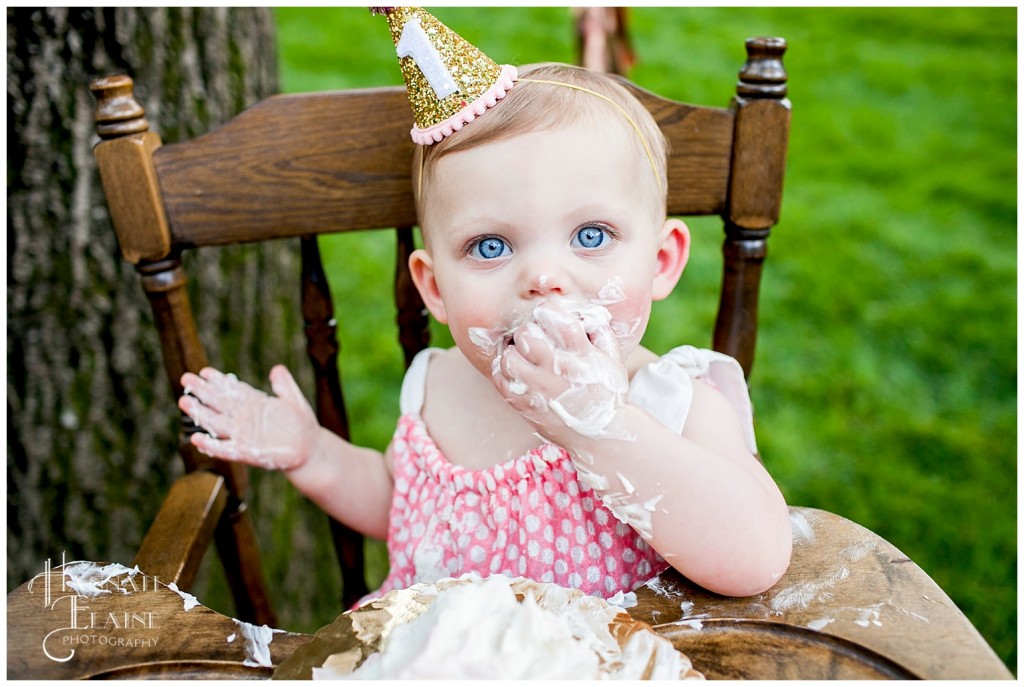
(414, 385)
(664, 388)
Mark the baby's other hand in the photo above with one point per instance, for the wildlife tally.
(276, 432)
(560, 378)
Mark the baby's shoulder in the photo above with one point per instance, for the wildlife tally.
(468, 419)
(450, 380)
(447, 361)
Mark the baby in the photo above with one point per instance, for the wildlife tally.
(548, 443)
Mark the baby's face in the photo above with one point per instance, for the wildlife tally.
(565, 216)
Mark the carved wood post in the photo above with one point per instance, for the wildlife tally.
(755, 193)
(125, 160)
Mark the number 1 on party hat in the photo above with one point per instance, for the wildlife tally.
(450, 82)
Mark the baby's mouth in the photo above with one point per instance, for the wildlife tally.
(508, 338)
(593, 317)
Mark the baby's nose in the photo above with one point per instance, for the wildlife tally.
(544, 282)
(547, 283)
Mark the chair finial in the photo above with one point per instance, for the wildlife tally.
(763, 75)
(118, 113)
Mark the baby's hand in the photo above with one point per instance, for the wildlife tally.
(274, 432)
(560, 378)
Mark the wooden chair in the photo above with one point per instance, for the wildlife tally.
(297, 166)
(241, 183)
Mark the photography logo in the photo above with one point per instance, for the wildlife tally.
(68, 593)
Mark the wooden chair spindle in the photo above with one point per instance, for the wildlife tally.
(413, 322)
(322, 346)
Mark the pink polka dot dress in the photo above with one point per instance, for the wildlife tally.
(528, 517)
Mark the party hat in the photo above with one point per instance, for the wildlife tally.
(450, 82)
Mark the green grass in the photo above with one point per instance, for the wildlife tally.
(886, 375)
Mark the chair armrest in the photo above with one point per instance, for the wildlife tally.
(183, 528)
(850, 606)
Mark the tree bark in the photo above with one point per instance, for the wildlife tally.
(92, 427)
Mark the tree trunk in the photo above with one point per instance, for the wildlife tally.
(92, 427)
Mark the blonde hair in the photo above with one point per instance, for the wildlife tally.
(548, 96)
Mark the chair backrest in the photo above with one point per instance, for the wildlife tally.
(302, 165)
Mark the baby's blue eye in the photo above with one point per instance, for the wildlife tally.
(490, 248)
(589, 236)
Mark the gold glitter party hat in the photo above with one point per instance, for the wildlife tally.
(450, 82)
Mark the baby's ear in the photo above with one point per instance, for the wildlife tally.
(673, 253)
(421, 266)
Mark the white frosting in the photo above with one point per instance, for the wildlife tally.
(628, 509)
(91, 579)
(598, 383)
(190, 600)
(257, 643)
(478, 629)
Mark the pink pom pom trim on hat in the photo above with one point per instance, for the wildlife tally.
(487, 99)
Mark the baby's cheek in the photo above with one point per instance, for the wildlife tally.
(627, 325)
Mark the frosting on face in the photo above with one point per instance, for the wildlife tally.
(598, 383)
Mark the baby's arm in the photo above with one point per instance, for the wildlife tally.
(281, 432)
(700, 499)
